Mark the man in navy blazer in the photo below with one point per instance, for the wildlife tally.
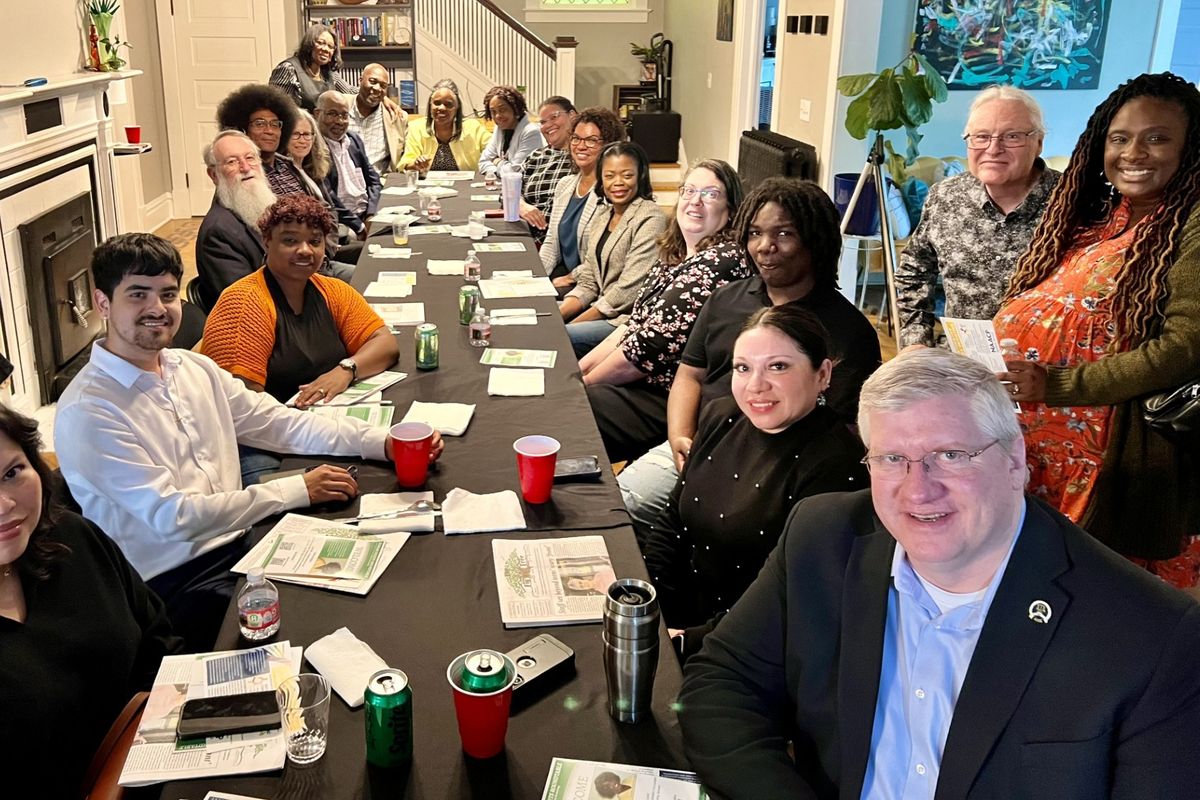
(352, 179)
(944, 635)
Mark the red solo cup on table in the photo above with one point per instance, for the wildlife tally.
(133, 134)
(410, 443)
(482, 715)
(536, 456)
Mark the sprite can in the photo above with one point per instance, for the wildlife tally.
(468, 301)
(427, 345)
(484, 671)
(388, 706)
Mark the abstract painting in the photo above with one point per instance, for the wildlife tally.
(1030, 44)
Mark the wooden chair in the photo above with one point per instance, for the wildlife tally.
(100, 780)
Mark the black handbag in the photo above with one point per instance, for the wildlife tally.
(1175, 414)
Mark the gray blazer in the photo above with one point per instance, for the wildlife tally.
(562, 195)
(612, 282)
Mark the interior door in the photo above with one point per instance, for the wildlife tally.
(209, 48)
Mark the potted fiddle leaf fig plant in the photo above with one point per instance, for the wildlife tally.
(901, 96)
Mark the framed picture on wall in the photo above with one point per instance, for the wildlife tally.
(1030, 44)
(724, 20)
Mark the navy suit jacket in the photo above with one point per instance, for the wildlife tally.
(1101, 701)
(358, 154)
(226, 249)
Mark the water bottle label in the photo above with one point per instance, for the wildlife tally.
(261, 617)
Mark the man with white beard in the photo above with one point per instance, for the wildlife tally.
(229, 245)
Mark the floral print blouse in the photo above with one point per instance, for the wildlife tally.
(669, 303)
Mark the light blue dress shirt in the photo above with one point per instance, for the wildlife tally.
(926, 653)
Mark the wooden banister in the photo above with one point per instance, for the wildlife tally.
(511, 22)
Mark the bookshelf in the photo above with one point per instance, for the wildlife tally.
(381, 33)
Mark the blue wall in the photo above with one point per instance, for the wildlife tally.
(1127, 50)
(1185, 60)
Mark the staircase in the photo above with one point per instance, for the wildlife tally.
(478, 45)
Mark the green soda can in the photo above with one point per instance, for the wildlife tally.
(388, 706)
(426, 336)
(468, 301)
(484, 671)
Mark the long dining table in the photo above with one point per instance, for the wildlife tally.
(438, 598)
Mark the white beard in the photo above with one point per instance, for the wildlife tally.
(246, 199)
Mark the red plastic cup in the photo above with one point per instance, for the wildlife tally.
(536, 456)
(411, 443)
(482, 718)
(133, 134)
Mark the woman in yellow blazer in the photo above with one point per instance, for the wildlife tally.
(444, 140)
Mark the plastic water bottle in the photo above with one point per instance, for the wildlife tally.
(481, 328)
(258, 606)
(434, 211)
(472, 269)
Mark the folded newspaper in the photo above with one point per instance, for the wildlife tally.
(156, 756)
(551, 581)
(360, 391)
(316, 552)
(569, 779)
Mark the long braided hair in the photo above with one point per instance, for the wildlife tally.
(1084, 197)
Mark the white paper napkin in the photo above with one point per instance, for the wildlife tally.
(508, 382)
(347, 663)
(464, 512)
(379, 503)
(449, 419)
(465, 232)
(441, 266)
(388, 289)
(398, 190)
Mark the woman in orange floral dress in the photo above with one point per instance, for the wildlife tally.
(1105, 307)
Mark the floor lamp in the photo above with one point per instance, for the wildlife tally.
(874, 169)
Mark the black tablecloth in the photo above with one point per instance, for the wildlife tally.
(438, 598)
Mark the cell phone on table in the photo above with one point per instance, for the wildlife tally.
(583, 468)
(233, 713)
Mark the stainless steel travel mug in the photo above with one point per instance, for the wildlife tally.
(630, 648)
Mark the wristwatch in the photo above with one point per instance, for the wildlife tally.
(349, 364)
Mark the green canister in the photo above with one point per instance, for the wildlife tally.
(426, 337)
(389, 714)
(484, 671)
(468, 301)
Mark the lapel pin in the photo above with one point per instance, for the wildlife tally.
(1039, 611)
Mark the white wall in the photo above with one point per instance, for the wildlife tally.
(42, 39)
(691, 25)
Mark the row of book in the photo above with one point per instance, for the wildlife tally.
(385, 29)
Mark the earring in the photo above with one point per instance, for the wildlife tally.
(821, 399)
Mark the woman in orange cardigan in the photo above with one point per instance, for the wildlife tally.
(285, 329)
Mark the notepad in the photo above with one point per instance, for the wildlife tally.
(501, 247)
(513, 357)
(449, 419)
(441, 266)
(449, 175)
(513, 316)
(399, 314)
(388, 289)
(504, 382)
(389, 276)
(494, 289)
(485, 198)
(377, 251)
(423, 230)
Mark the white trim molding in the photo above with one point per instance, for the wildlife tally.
(633, 11)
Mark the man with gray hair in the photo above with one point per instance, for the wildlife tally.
(943, 634)
(228, 245)
(351, 179)
(976, 225)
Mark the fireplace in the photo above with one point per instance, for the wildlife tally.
(56, 247)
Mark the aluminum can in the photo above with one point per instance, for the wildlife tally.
(484, 671)
(426, 336)
(468, 300)
(387, 703)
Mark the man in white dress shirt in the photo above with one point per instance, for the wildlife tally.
(147, 438)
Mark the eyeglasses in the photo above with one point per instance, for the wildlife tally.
(1012, 139)
(302, 136)
(235, 162)
(938, 464)
(587, 141)
(263, 124)
(551, 117)
(707, 196)
(336, 114)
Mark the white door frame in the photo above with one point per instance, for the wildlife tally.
(747, 66)
(837, 23)
(180, 160)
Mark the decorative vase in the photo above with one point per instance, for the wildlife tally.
(649, 71)
(103, 22)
